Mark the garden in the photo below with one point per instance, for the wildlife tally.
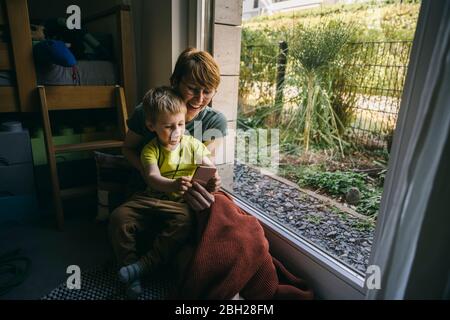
(330, 80)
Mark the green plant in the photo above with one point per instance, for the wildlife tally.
(255, 118)
(369, 203)
(335, 183)
(339, 182)
(313, 219)
(379, 21)
(315, 51)
(363, 225)
(258, 68)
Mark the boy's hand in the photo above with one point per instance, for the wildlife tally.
(214, 183)
(182, 184)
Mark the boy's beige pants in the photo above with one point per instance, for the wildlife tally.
(148, 230)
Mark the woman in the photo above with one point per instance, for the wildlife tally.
(196, 77)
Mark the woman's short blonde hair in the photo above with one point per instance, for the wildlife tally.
(162, 100)
(198, 66)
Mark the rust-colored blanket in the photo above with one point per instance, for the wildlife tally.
(232, 256)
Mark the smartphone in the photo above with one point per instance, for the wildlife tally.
(202, 174)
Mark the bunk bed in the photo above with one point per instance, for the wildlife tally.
(18, 92)
(21, 93)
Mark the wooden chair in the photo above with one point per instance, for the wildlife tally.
(78, 97)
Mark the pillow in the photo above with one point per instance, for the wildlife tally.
(113, 174)
(53, 52)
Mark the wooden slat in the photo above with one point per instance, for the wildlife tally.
(79, 97)
(78, 191)
(122, 112)
(2, 13)
(19, 26)
(49, 148)
(5, 61)
(87, 146)
(8, 99)
(127, 61)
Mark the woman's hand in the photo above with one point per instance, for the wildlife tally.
(198, 198)
(214, 183)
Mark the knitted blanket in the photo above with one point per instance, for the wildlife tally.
(232, 256)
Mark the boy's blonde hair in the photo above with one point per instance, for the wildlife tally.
(197, 65)
(162, 100)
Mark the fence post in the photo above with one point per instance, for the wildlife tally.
(281, 71)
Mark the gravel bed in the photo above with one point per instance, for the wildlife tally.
(342, 235)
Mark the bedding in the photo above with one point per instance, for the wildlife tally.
(86, 72)
(7, 78)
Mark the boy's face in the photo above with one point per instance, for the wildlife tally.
(169, 128)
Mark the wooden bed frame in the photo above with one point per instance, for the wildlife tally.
(17, 55)
(27, 96)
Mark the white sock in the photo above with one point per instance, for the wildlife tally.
(130, 273)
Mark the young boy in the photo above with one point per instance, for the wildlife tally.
(169, 161)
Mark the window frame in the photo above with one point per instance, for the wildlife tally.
(330, 278)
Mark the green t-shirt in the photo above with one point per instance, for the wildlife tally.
(208, 123)
(173, 164)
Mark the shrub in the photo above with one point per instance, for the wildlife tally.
(339, 182)
(315, 53)
(258, 68)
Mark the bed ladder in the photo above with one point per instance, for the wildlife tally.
(71, 98)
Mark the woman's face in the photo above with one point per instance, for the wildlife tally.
(195, 97)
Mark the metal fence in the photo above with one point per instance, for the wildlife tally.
(379, 70)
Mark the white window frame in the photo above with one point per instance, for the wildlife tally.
(330, 278)
(200, 29)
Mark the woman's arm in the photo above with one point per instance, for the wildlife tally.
(130, 150)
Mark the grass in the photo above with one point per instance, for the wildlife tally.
(314, 219)
(363, 225)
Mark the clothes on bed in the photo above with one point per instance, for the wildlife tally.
(73, 57)
(49, 52)
(83, 45)
(86, 73)
(7, 78)
(100, 73)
